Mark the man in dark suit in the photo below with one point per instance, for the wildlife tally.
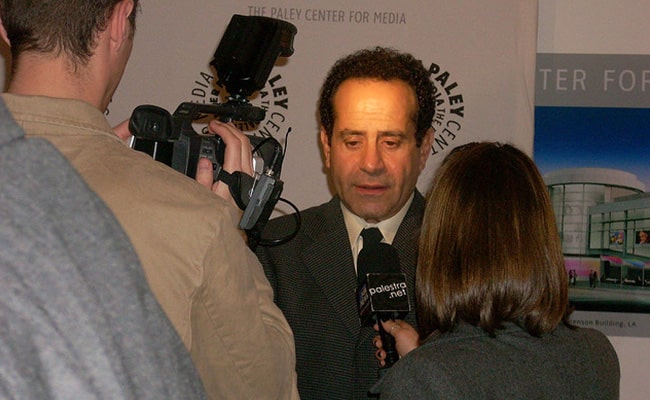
(376, 109)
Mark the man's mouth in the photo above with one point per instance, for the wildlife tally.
(371, 189)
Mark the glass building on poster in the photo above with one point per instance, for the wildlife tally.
(603, 216)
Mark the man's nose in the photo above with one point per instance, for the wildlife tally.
(372, 161)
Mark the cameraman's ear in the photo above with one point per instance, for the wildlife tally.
(120, 28)
(3, 33)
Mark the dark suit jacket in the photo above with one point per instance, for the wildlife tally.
(315, 285)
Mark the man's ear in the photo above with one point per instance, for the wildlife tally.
(119, 25)
(425, 147)
(325, 142)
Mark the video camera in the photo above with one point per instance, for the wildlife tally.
(243, 61)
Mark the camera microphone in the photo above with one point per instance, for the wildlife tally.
(382, 295)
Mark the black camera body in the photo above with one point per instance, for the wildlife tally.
(172, 140)
(243, 61)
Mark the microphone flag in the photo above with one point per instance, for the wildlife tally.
(383, 293)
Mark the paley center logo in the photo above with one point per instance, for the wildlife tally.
(450, 108)
(273, 98)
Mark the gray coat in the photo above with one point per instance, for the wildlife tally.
(469, 364)
(77, 319)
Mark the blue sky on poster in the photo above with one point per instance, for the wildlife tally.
(571, 137)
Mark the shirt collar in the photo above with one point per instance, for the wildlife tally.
(388, 227)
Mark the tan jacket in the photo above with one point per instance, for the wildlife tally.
(208, 282)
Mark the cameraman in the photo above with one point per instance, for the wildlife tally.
(68, 58)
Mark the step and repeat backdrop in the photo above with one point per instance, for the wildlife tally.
(481, 57)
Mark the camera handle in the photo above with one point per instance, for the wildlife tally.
(240, 185)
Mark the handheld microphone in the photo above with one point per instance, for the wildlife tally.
(382, 294)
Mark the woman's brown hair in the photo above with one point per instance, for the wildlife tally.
(489, 250)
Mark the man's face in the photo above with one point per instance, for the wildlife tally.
(373, 159)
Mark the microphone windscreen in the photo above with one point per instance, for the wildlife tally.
(382, 293)
(383, 260)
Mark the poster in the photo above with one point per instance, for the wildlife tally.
(592, 119)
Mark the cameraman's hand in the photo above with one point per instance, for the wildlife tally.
(406, 339)
(237, 157)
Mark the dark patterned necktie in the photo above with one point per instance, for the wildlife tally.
(371, 239)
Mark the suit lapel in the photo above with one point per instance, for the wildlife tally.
(329, 260)
(408, 235)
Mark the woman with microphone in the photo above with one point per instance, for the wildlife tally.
(492, 293)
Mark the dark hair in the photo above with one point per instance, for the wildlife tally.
(382, 64)
(57, 26)
(489, 249)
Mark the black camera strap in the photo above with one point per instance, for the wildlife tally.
(240, 185)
